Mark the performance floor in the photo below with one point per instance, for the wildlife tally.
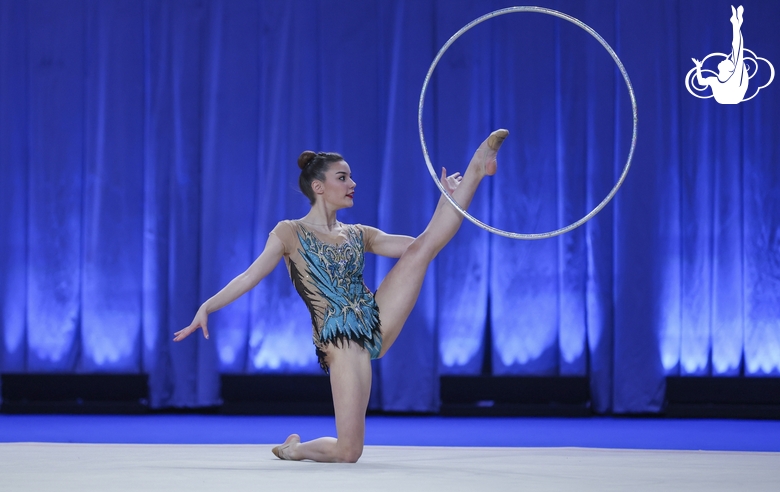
(198, 452)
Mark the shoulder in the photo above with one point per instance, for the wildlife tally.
(366, 233)
(363, 229)
(285, 232)
(284, 226)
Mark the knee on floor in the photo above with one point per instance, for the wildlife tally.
(350, 454)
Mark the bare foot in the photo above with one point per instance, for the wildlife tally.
(283, 451)
(485, 156)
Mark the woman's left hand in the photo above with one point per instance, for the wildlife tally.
(450, 182)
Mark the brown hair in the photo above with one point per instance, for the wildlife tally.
(313, 167)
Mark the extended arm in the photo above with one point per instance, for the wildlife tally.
(237, 287)
(390, 245)
(699, 79)
(393, 246)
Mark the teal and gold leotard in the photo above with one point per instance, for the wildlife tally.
(329, 279)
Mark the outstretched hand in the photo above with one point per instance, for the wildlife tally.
(450, 182)
(200, 321)
(696, 62)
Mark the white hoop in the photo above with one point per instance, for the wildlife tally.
(589, 30)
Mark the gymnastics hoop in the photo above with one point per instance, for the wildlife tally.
(589, 30)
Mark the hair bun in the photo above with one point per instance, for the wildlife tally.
(305, 158)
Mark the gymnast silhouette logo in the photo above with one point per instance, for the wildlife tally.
(735, 70)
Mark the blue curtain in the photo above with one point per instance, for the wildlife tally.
(147, 148)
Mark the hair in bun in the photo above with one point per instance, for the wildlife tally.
(313, 168)
(305, 158)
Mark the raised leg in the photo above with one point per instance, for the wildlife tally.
(736, 34)
(350, 382)
(398, 292)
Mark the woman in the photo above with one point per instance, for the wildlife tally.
(731, 84)
(325, 261)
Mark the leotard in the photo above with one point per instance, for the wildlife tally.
(329, 279)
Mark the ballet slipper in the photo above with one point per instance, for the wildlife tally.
(488, 155)
(497, 138)
(484, 160)
(283, 450)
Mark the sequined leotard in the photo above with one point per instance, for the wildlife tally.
(329, 279)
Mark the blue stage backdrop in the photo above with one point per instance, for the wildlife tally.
(148, 147)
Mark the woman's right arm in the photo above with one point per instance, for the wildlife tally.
(260, 268)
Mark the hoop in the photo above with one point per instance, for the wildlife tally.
(589, 30)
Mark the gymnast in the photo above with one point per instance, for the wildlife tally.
(324, 257)
(731, 84)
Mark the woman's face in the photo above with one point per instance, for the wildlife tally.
(338, 189)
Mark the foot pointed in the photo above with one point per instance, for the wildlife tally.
(497, 138)
(283, 450)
